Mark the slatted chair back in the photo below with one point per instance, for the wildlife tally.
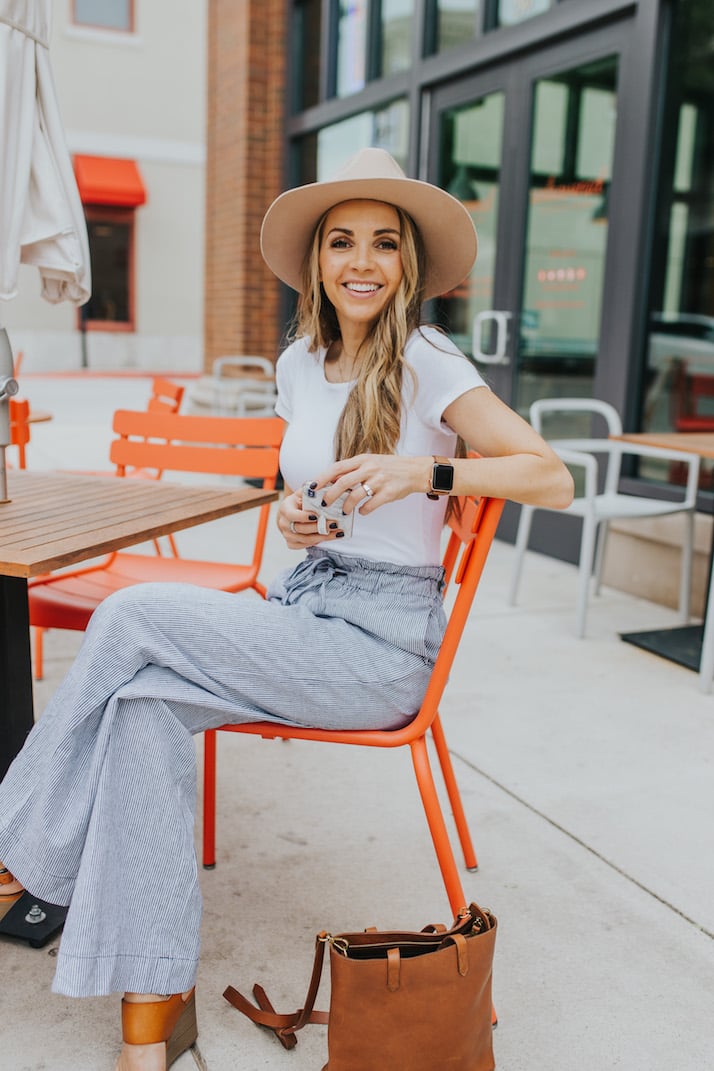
(170, 442)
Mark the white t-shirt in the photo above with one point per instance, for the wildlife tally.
(407, 532)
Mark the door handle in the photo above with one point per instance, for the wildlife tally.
(500, 353)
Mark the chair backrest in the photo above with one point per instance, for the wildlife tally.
(178, 443)
(610, 454)
(19, 427)
(225, 446)
(166, 396)
(689, 391)
(593, 406)
(244, 366)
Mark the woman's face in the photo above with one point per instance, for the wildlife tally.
(360, 261)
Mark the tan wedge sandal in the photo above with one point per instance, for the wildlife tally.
(172, 1021)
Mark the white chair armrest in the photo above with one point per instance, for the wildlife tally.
(582, 460)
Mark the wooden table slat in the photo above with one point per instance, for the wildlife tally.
(78, 517)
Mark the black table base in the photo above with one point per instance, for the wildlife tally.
(33, 920)
(15, 668)
(681, 645)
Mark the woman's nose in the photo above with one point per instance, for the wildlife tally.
(362, 255)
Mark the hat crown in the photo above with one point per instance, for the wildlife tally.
(369, 164)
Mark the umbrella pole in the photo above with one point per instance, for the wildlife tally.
(8, 387)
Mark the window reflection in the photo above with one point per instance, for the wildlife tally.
(566, 241)
(511, 12)
(321, 155)
(305, 48)
(470, 156)
(455, 23)
(678, 387)
(396, 28)
(351, 47)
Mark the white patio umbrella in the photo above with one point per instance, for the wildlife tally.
(41, 217)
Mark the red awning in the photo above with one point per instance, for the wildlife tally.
(103, 180)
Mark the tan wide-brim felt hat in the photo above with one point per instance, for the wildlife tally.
(446, 228)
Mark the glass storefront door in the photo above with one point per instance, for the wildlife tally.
(528, 147)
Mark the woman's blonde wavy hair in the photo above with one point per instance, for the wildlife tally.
(371, 419)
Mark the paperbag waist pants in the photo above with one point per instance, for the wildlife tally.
(97, 811)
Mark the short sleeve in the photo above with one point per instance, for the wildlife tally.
(443, 374)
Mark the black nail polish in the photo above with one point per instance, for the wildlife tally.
(323, 503)
(339, 535)
(312, 517)
(310, 494)
(313, 485)
(333, 525)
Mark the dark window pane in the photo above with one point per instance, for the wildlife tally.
(352, 46)
(109, 252)
(307, 28)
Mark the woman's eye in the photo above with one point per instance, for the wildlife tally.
(387, 243)
(339, 243)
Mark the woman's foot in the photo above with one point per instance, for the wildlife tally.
(156, 1030)
(9, 885)
(10, 891)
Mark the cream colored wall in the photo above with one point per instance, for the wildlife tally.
(140, 96)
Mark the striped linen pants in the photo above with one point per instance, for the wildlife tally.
(97, 811)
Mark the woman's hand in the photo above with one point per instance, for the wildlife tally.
(373, 479)
(298, 526)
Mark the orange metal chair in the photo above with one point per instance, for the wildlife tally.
(225, 446)
(464, 559)
(166, 397)
(19, 427)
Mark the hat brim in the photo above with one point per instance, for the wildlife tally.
(446, 228)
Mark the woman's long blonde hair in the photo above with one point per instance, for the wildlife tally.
(371, 418)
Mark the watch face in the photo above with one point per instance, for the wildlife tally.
(442, 477)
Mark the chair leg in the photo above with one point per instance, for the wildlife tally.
(522, 535)
(209, 798)
(452, 788)
(585, 569)
(600, 554)
(706, 666)
(685, 576)
(437, 826)
(39, 653)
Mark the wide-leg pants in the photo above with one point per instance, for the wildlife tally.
(97, 811)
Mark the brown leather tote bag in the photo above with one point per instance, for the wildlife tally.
(418, 1000)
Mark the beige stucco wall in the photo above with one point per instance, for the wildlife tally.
(140, 96)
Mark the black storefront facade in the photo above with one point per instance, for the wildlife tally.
(580, 134)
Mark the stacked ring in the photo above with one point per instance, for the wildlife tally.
(367, 490)
(293, 529)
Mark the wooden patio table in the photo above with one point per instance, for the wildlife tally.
(683, 644)
(56, 519)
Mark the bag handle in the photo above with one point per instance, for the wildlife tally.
(284, 1025)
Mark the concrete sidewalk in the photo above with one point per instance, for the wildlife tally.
(586, 768)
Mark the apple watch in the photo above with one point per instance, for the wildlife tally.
(442, 478)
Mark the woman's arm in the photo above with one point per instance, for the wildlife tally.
(516, 463)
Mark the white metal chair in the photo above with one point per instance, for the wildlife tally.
(598, 507)
(239, 385)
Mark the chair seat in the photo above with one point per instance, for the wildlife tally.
(69, 602)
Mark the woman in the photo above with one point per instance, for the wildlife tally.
(105, 784)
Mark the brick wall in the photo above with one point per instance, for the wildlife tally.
(247, 46)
